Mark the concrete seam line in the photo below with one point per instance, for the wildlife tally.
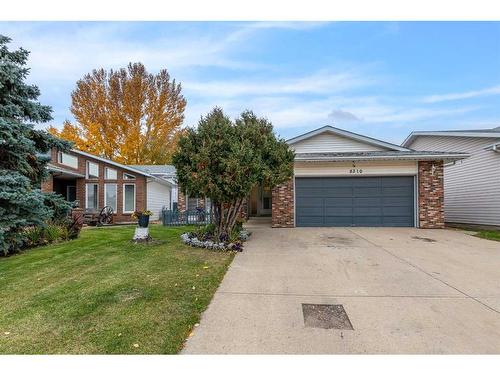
(424, 271)
(348, 295)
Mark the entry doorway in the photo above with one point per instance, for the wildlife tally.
(260, 201)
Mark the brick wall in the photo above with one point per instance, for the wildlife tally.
(140, 183)
(181, 201)
(282, 205)
(48, 184)
(430, 194)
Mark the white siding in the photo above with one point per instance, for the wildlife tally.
(328, 142)
(366, 168)
(158, 196)
(472, 185)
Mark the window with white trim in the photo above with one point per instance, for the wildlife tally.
(128, 198)
(110, 174)
(92, 170)
(110, 196)
(67, 159)
(92, 197)
(128, 176)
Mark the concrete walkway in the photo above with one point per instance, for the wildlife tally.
(405, 291)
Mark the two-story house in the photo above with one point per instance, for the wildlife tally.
(95, 182)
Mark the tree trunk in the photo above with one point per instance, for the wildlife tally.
(236, 215)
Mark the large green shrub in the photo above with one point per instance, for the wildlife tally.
(23, 151)
(223, 160)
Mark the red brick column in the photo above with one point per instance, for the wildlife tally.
(47, 185)
(282, 205)
(181, 201)
(430, 194)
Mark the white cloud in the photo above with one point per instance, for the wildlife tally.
(495, 90)
(322, 82)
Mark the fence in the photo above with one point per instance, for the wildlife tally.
(174, 217)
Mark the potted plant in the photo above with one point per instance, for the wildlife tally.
(142, 218)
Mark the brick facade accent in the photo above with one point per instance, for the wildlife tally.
(140, 183)
(283, 205)
(48, 184)
(430, 194)
(181, 201)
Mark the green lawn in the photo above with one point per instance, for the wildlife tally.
(102, 294)
(489, 234)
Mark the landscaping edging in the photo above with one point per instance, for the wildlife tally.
(190, 239)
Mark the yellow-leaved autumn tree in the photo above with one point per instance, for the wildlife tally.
(128, 115)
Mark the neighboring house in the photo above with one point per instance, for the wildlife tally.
(166, 172)
(472, 185)
(95, 182)
(347, 179)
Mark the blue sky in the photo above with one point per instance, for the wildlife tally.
(382, 79)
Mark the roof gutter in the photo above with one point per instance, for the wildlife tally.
(447, 157)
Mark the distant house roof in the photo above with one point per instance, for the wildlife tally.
(381, 155)
(165, 169)
(346, 134)
(475, 133)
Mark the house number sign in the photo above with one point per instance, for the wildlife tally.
(355, 171)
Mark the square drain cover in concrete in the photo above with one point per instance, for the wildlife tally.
(325, 316)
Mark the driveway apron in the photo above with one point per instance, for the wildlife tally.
(404, 290)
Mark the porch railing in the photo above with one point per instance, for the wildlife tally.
(174, 217)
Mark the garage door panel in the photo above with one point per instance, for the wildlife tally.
(339, 182)
(367, 202)
(396, 201)
(309, 192)
(308, 183)
(366, 191)
(310, 211)
(355, 201)
(309, 201)
(367, 211)
(338, 221)
(310, 221)
(338, 202)
(338, 211)
(367, 221)
(397, 181)
(366, 181)
(396, 210)
(337, 192)
(400, 191)
(397, 221)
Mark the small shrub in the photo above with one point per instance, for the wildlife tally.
(74, 226)
(52, 232)
(34, 236)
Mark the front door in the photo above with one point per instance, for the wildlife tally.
(265, 200)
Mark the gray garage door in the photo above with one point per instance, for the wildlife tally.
(354, 201)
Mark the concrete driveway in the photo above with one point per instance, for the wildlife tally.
(404, 290)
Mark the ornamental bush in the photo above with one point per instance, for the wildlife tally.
(223, 160)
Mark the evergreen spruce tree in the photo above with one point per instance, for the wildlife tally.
(23, 150)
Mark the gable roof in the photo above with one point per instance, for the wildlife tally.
(346, 134)
(474, 133)
(104, 160)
